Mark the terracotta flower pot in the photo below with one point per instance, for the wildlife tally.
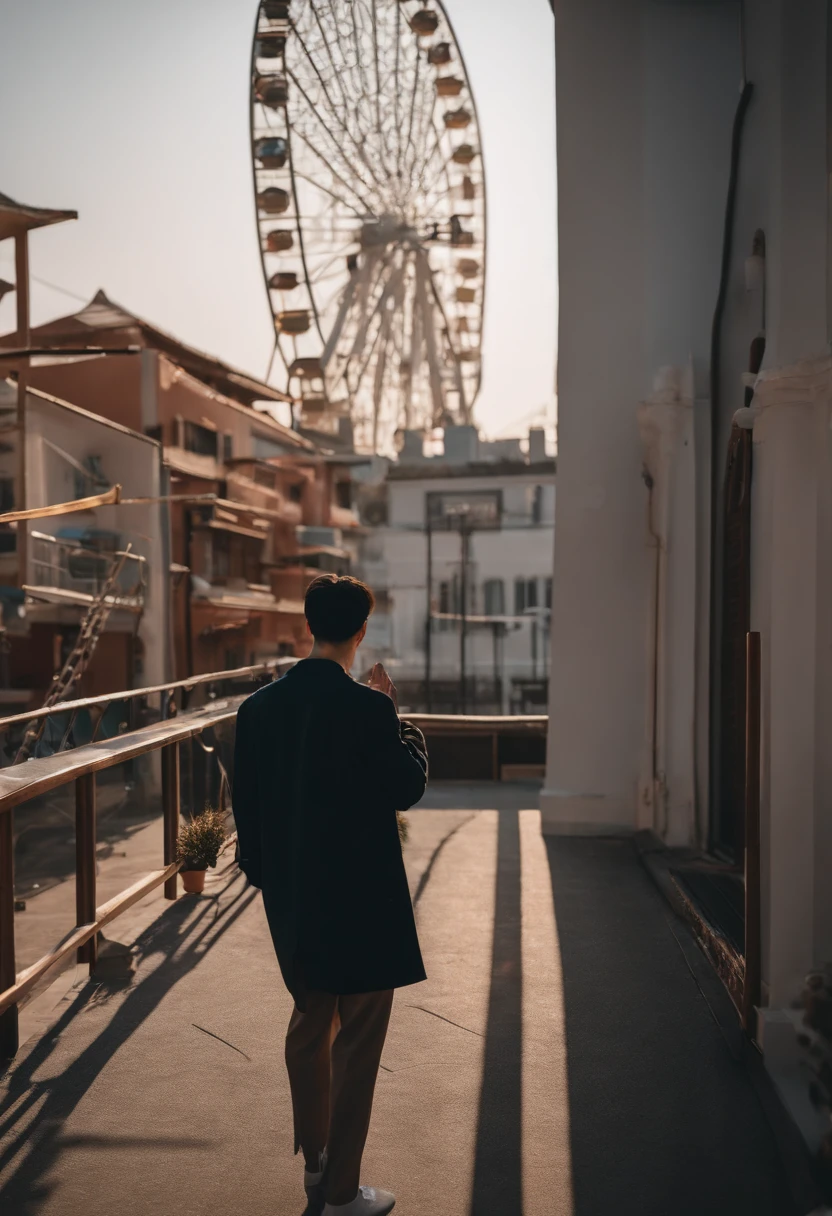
(193, 881)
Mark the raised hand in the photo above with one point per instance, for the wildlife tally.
(380, 680)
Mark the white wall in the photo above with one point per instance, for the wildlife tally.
(639, 204)
(646, 99)
(784, 189)
(399, 563)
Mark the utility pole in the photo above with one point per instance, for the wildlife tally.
(464, 537)
(23, 339)
(429, 613)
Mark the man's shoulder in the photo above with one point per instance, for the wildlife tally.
(261, 699)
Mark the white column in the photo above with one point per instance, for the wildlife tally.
(601, 560)
(666, 802)
(640, 213)
(791, 607)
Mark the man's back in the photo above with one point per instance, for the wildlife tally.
(321, 766)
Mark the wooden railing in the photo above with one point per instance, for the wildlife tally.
(173, 697)
(21, 783)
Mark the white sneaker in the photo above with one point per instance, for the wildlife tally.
(368, 1202)
(313, 1184)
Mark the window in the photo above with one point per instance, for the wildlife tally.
(548, 600)
(537, 505)
(6, 494)
(263, 477)
(200, 439)
(444, 597)
(221, 555)
(494, 595)
(525, 595)
(482, 509)
(295, 492)
(227, 447)
(265, 447)
(343, 494)
(446, 605)
(155, 432)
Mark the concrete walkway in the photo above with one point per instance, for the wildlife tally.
(561, 1059)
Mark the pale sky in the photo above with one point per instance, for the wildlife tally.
(136, 115)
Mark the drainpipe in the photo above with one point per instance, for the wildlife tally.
(23, 339)
(715, 447)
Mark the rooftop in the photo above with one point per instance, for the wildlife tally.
(16, 218)
(103, 323)
(437, 469)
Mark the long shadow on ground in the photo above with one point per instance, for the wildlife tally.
(31, 1146)
(664, 1121)
(498, 1167)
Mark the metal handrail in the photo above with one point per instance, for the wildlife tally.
(481, 723)
(64, 542)
(269, 666)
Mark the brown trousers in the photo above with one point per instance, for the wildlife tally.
(333, 1050)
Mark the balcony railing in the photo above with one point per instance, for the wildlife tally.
(482, 737)
(142, 707)
(67, 565)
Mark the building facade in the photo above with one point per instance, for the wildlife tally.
(458, 553)
(52, 569)
(241, 489)
(695, 453)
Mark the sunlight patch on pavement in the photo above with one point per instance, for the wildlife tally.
(547, 1165)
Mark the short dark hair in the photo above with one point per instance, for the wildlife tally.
(336, 606)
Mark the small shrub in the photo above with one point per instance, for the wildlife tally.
(404, 827)
(200, 840)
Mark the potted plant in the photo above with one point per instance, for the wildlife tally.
(198, 847)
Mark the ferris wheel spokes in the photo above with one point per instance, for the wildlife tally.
(355, 137)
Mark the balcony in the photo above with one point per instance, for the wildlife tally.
(520, 1077)
(73, 570)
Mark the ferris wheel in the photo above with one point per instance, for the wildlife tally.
(370, 198)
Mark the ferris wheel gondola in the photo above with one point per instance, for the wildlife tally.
(370, 198)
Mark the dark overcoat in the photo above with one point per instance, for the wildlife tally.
(321, 765)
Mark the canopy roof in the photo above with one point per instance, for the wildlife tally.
(16, 217)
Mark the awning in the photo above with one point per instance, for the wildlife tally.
(17, 217)
(219, 525)
(286, 607)
(81, 599)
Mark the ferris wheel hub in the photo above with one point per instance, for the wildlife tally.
(387, 230)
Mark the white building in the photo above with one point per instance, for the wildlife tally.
(695, 269)
(461, 566)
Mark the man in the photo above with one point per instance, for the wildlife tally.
(321, 766)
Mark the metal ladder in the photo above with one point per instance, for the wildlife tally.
(79, 658)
